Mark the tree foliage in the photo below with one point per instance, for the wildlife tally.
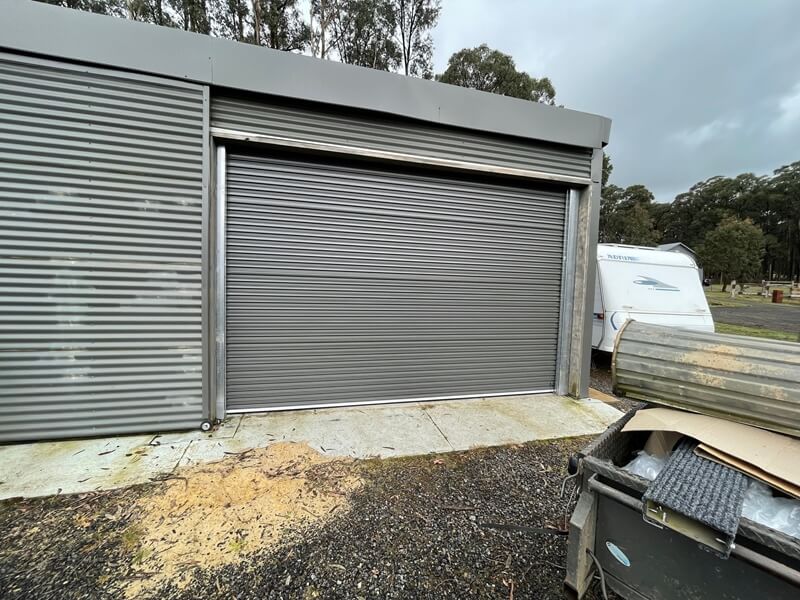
(607, 169)
(321, 16)
(117, 8)
(381, 34)
(191, 15)
(389, 35)
(231, 19)
(415, 19)
(781, 219)
(280, 25)
(151, 11)
(699, 210)
(625, 216)
(489, 70)
(362, 33)
(771, 203)
(733, 250)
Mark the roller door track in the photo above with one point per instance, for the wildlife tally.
(353, 284)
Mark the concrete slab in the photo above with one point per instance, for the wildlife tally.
(361, 432)
(515, 419)
(356, 432)
(47, 468)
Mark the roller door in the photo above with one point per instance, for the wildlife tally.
(347, 283)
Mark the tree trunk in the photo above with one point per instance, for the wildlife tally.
(257, 22)
(323, 27)
(239, 20)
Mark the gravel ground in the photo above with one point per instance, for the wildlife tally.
(57, 547)
(413, 531)
(600, 379)
(768, 316)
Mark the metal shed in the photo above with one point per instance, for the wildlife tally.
(193, 227)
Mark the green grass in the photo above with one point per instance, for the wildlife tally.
(717, 298)
(755, 332)
(237, 545)
(132, 536)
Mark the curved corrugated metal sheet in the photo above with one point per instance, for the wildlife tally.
(100, 251)
(751, 380)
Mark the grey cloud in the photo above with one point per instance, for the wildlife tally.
(695, 89)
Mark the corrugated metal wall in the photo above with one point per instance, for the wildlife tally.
(100, 251)
(407, 137)
(353, 284)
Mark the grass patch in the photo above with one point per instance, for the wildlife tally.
(718, 298)
(142, 554)
(756, 332)
(237, 545)
(131, 537)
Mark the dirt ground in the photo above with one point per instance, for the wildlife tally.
(251, 501)
(767, 316)
(400, 528)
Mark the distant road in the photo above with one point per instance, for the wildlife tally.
(768, 316)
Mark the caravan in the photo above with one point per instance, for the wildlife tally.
(649, 285)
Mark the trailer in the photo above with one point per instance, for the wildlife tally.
(609, 540)
(742, 395)
(647, 285)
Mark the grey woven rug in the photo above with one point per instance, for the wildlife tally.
(700, 489)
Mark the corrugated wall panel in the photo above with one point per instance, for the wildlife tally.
(355, 284)
(381, 133)
(100, 251)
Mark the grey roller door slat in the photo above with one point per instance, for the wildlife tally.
(100, 252)
(350, 283)
(396, 135)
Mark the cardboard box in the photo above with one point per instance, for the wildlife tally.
(769, 457)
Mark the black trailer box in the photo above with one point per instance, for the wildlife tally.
(643, 562)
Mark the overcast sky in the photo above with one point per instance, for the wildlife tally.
(695, 88)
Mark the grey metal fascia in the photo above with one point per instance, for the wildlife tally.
(37, 28)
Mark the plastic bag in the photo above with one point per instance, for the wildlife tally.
(781, 514)
(645, 465)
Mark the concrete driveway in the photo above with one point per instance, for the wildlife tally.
(73, 466)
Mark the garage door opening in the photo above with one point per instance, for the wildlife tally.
(347, 283)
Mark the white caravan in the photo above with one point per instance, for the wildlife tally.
(648, 285)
